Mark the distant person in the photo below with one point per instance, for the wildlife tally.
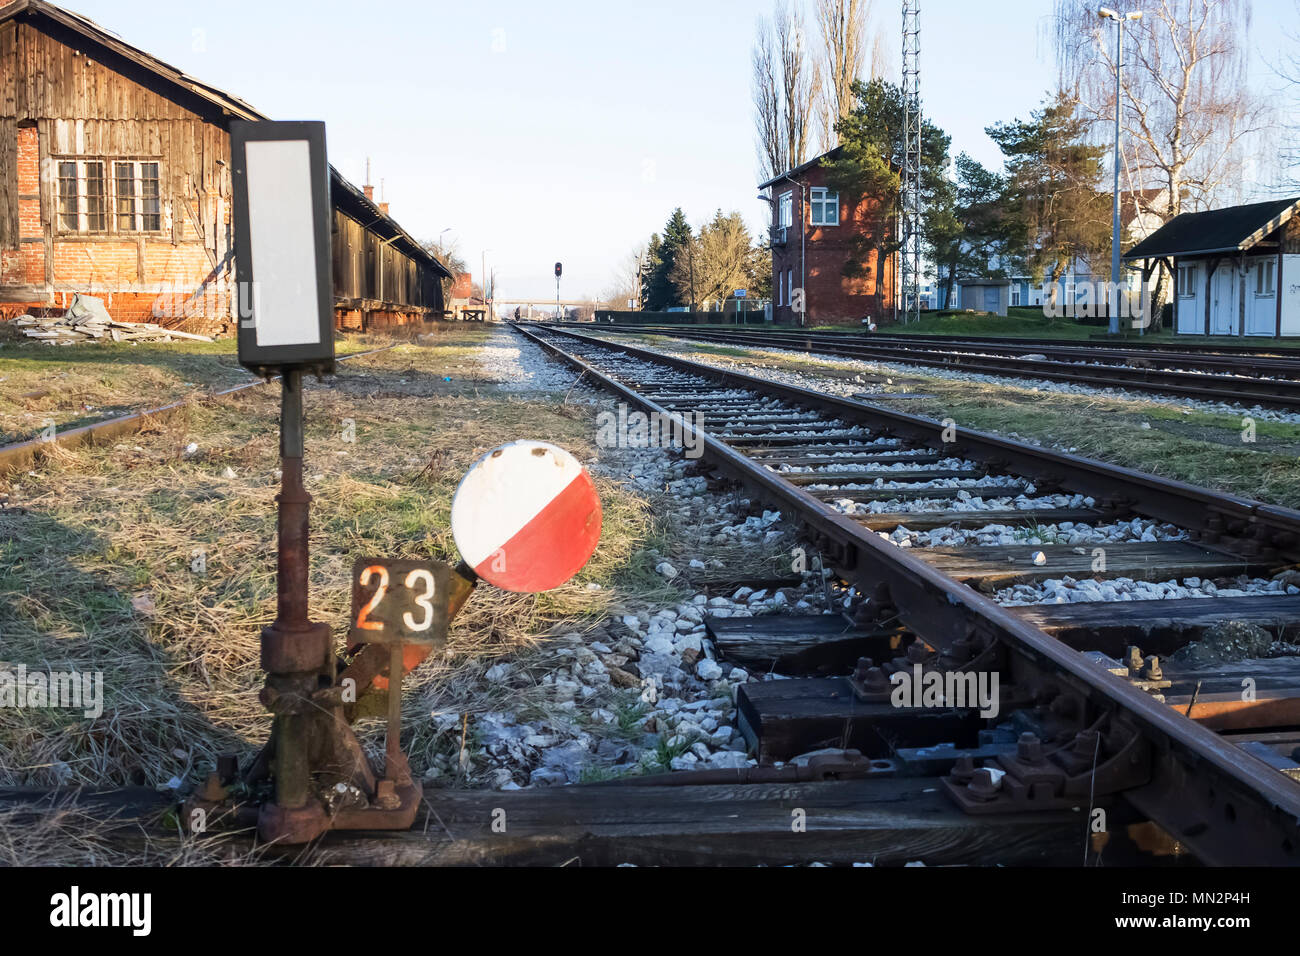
(516, 313)
(870, 323)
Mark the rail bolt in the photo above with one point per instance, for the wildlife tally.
(1029, 749)
(1152, 670)
(984, 785)
(875, 681)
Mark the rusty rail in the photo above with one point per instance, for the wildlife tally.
(1195, 774)
(1004, 361)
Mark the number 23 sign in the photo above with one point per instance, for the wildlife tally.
(399, 602)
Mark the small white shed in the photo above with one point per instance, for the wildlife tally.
(1228, 268)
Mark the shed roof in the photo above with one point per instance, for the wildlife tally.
(1231, 229)
(222, 107)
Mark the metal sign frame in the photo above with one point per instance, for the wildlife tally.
(316, 355)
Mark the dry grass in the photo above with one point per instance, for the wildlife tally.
(80, 384)
(61, 834)
(99, 527)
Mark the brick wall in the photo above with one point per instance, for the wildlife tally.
(831, 298)
(177, 286)
(31, 254)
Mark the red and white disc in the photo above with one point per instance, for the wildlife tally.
(526, 516)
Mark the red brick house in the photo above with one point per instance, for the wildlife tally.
(115, 182)
(812, 235)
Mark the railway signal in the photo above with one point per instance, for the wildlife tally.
(526, 516)
(559, 270)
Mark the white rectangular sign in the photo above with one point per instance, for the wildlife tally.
(282, 242)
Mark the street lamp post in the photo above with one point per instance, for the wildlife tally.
(1108, 14)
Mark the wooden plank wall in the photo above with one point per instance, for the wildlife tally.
(364, 265)
(8, 135)
(83, 107)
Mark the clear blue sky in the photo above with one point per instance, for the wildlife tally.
(565, 130)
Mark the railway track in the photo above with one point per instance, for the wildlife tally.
(1090, 712)
(1267, 381)
(22, 455)
(1259, 348)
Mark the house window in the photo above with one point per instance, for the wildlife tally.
(785, 211)
(780, 288)
(1186, 282)
(1264, 277)
(91, 200)
(825, 207)
(1015, 295)
(789, 287)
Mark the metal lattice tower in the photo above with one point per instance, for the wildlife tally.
(910, 253)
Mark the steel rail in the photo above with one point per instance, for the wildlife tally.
(1195, 772)
(1130, 345)
(22, 455)
(1278, 393)
(1031, 343)
(1282, 365)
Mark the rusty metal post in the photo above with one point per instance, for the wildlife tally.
(295, 652)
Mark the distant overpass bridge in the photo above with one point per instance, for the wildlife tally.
(506, 307)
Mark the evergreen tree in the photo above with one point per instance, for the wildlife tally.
(987, 239)
(660, 292)
(649, 268)
(869, 165)
(1054, 177)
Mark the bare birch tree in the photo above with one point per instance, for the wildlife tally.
(1186, 109)
(1288, 71)
(843, 25)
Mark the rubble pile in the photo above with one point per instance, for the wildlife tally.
(88, 320)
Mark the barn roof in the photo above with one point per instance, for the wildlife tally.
(1227, 230)
(217, 105)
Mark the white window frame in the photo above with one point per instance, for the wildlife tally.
(821, 200)
(789, 286)
(1265, 270)
(1015, 295)
(145, 212)
(780, 287)
(785, 210)
(1187, 282)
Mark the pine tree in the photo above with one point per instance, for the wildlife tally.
(869, 165)
(660, 293)
(1054, 176)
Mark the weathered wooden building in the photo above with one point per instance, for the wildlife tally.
(115, 181)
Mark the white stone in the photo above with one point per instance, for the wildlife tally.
(706, 669)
